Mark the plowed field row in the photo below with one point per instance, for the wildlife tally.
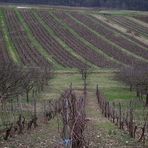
(74, 43)
(131, 38)
(28, 54)
(112, 36)
(130, 25)
(142, 18)
(70, 38)
(97, 41)
(49, 43)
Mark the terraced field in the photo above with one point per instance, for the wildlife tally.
(70, 39)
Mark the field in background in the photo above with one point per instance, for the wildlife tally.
(73, 38)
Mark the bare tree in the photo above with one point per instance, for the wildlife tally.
(85, 72)
(11, 79)
(137, 79)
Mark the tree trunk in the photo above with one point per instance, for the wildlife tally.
(27, 96)
(131, 87)
(42, 86)
(138, 93)
(120, 114)
(147, 100)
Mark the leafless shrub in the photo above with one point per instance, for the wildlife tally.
(137, 79)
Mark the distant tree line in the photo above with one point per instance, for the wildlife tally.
(119, 4)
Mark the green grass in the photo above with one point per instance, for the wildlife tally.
(110, 87)
(120, 93)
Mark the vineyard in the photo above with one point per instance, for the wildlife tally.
(71, 39)
(73, 78)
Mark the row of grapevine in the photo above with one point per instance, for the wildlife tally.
(49, 43)
(138, 29)
(29, 55)
(97, 41)
(112, 35)
(125, 119)
(142, 18)
(106, 22)
(112, 48)
(74, 43)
